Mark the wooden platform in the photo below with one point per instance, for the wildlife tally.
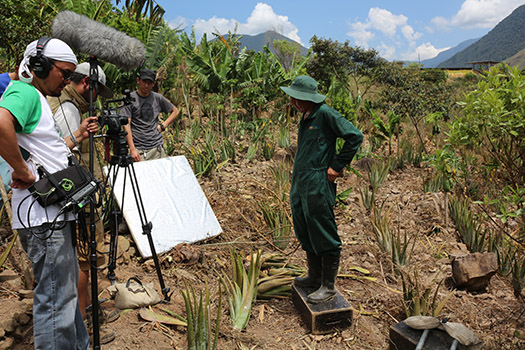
(406, 338)
(322, 318)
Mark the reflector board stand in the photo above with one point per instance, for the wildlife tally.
(325, 317)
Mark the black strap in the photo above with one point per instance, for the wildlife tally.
(133, 279)
(25, 153)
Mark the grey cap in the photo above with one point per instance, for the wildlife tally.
(148, 74)
(104, 91)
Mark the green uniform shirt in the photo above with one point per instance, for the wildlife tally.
(317, 138)
(312, 195)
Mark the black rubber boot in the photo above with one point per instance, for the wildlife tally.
(313, 279)
(327, 290)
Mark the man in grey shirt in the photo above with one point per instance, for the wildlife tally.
(144, 130)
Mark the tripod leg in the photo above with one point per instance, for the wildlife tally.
(115, 219)
(146, 230)
(113, 243)
(94, 280)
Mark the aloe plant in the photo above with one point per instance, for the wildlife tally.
(418, 300)
(199, 331)
(377, 173)
(284, 136)
(242, 288)
(367, 197)
(395, 244)
(277, 220)
(470, 231)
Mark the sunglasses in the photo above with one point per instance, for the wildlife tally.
(66, 73)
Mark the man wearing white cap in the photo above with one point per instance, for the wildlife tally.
(68, 110)
(28, 138)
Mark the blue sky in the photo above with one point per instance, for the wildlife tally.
(398, 29)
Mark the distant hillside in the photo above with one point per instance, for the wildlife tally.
(257, 42)
(517, 60)
(445, 55)
(505, 40)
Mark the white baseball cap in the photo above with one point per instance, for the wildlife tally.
(104, 91)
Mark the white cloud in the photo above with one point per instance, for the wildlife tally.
(386, 51)
(384, 22)
(262, 19)
(441, 23)
(360, 33)
(479, 14)
(423, 52)
(410, 35)
(213, 25)
(179, 22)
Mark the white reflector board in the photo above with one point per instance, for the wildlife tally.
(173, 201)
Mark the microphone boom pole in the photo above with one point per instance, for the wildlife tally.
(93, 85)
(106, 43)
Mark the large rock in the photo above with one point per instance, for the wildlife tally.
(7, 343)
(473, 271)
(8, 275)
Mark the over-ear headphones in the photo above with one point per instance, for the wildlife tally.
(40, 64)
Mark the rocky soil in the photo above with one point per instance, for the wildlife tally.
(494, 315)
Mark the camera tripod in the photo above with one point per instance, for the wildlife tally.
(120, 159)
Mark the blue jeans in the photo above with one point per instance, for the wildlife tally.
(57, 321)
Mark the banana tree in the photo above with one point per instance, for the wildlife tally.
(386, 131)
(210, 65)
(139, 9)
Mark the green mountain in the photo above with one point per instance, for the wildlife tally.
(257, 42)
(517, 60)
(503, 41)
(445, 55)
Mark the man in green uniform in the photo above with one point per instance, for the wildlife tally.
(313, 191)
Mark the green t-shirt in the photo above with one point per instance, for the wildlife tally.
(37, 134)
(23, 101)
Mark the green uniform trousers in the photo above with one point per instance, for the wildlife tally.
(312, 199)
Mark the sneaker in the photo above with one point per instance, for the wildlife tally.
(109, 315)
(106, 335)
(123, 229)
(104, 315)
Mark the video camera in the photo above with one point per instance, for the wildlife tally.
(110, 116)
(115, 123)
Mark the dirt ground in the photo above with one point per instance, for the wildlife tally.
(493, 315)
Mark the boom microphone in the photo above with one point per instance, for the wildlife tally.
(97, 39)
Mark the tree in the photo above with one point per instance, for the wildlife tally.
(139, 9)
(493, 123)
(19, 20)
(287, 52)
(408, 94)
(355, 67)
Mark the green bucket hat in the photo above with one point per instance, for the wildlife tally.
(304, 88)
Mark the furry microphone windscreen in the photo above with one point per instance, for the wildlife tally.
(97, 39)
